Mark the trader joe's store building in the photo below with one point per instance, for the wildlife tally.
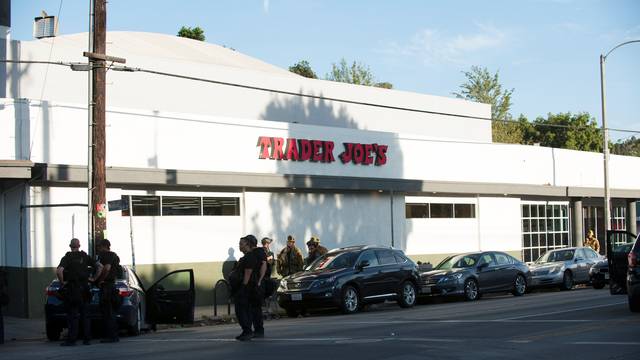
(267, 152)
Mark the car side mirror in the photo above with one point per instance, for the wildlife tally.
(363, 264)
(160, 287)
(483, 266)
(578, 259)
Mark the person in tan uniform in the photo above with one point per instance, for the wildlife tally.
(592, 242)
(314, 249)
(290, 259)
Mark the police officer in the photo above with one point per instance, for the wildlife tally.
(4, 301)
(290, 259)
(106, 280)
(73, 273)
(245, 293)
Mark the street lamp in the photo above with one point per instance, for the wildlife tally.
(605, 137)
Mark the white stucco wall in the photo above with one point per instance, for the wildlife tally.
(177, 55)
(56, 133)
(497, 226)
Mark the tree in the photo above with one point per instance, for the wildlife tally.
(303, 68)
(356, 73)
(566, 131)
(195, 33)
(484, 87)
(629, 147)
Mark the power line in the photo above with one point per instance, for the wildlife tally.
(79, 66)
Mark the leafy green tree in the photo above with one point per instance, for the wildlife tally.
(484, 87)
(629, 147)
(195, 33)
(566, 131)
(303, 68)
(356, 73)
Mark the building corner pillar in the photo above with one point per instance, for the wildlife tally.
(577, 238)
(632, 226)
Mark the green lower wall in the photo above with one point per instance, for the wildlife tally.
(27, 286)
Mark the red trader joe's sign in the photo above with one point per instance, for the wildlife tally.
(291, 149)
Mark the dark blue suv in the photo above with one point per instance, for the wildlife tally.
(349, 277)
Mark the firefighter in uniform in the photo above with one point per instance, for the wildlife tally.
(592, 242)
(73, 273)
(315, 250)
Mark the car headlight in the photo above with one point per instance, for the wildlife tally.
(453, 277)
(324, 282)
(555, 269)
(283, 286)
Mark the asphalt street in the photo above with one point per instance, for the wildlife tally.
(579, 324)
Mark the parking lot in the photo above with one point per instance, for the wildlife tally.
(583, 324)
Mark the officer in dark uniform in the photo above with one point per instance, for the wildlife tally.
(106, 281)
(245, 287)
(4, 300)
(73, 273)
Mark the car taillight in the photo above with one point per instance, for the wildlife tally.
(50, 291)
(633, 259)
(125, 292)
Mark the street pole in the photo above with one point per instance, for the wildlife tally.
(99, 107)
(91, 244)
(605, 149)
(605, 136)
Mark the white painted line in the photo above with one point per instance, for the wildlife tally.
(564, 311)
(462, 321)
(631, 343)
(234, 340)
(519, 341)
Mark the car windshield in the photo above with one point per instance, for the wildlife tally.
(334, 261)
(456, 262)
(558, 255)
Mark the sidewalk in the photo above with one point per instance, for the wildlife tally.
(21, 329)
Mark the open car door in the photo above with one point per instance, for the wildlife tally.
(619, 244)
(171, 300)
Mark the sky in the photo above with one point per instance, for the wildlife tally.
(546, 50)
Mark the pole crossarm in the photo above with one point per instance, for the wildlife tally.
(103, 57)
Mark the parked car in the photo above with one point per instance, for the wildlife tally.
(564, 267)
(350, 277)
(624, 262)
(169, 301)
(599, 274)
(474, 274)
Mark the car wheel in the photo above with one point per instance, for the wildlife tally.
(134, 330)
(407, 295)
(519, 286)
(634, 303)
(567, 281)
(53, 331)
(350, 300)
(471, 292)
(597, 284)
(291, 312)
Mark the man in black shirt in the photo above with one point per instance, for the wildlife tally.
(106, 280)
(246, 294)
(73, 273)
(256, 303)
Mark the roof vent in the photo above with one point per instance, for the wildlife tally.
(45, 26)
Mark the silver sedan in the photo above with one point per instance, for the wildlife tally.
(563, 267)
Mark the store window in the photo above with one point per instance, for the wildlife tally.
(545, 226)
(438, 210)
(181, 205)
(220, 206)
(151, 205)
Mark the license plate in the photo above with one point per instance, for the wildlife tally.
(296, 297)
(426, 290)
(606, 276)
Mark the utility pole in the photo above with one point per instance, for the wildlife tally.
(98, 58)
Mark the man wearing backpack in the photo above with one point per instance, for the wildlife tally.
(106, 280)
(73, 274)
